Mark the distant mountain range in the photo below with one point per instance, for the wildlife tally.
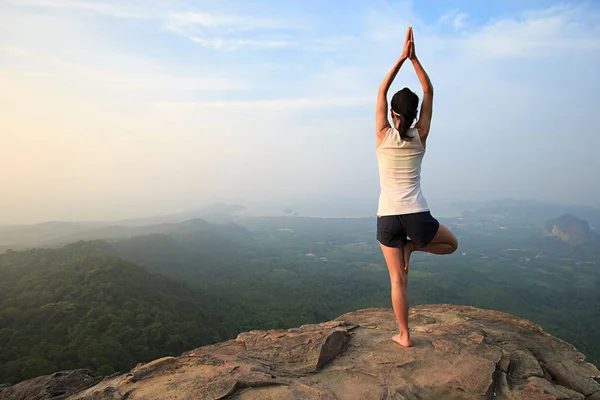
(57, 233)
(530, 211)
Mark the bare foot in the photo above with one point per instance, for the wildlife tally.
(402, 340)
(407, 250)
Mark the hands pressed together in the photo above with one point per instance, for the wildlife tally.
(409, 46)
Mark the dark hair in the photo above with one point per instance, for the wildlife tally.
(405, 103)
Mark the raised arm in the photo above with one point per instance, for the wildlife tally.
(381, 115)
(427, 106)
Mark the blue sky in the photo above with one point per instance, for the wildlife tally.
(114, 109)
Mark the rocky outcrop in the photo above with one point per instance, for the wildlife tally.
(57, 386)
(569, 229)
(459, 352)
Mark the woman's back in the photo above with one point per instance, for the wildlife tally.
(400, 174)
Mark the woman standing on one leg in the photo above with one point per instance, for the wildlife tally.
(403, 211)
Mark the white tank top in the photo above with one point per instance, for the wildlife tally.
(400, 174)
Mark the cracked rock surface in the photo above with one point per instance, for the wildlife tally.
(458, 352)
(57, 386)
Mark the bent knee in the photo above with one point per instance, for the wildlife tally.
(453, 245)
(452, 241)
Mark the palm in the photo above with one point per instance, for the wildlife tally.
(407, 43)
(411, 50)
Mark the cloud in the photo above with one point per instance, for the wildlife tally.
(212, 30)
(235, 44)
(533, 35)
(15, 51)
(459, 20)
(143, 76)
(222, 31)
(106, 8)
(79, 54)
(293, 104)
(527, 35)
(455, 18)
(190, 21)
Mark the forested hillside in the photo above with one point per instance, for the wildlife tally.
(81, 307)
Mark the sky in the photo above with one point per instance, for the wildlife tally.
(122, 109)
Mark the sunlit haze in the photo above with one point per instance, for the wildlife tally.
(120, 109)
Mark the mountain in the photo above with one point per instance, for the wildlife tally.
(569, 229)
(527, 211)
(459, 352)
(18, 236)
(58, 233)
(81, 306)
(215, 212)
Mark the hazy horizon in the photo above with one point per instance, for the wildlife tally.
(331, 207)
(114, 110)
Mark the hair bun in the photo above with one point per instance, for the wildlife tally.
(409, 100)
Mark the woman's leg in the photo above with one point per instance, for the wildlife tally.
(444, 242)
(399, 278)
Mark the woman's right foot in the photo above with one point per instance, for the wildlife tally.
(402, 340)
(407, 250)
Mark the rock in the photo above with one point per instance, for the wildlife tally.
(57, 386)
(522, 365)
(459, 352)
(569, 229)
(298, 351)
(595, 396)
(143, 370)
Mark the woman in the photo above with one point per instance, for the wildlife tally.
(403, 210)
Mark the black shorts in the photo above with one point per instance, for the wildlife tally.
(392, 230)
